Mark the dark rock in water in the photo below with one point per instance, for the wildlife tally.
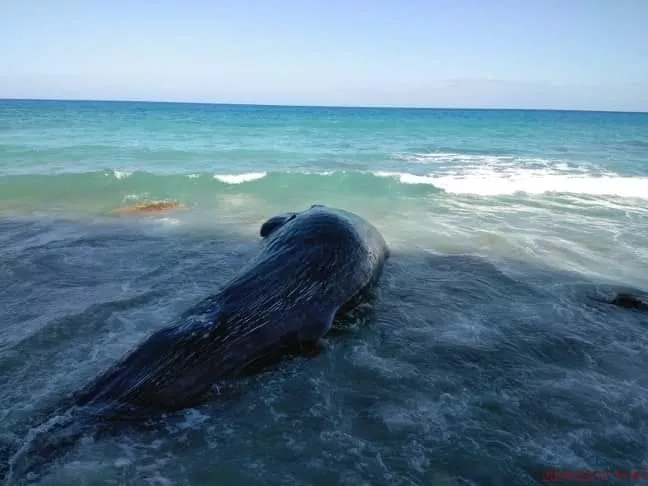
(629, 301)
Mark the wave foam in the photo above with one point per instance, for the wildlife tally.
(499, 162)
(239, 178)
(407, 178)
(423, 158)
(631, 187)
(121, 174)
(484, 183)
(494, 180)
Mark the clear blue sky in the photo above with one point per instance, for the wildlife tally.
(578, 54)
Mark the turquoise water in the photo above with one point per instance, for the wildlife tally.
(486, 361)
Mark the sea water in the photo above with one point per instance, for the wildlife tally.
(488, 357)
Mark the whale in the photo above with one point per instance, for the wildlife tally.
(311, 265)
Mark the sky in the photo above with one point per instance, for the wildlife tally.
(561, 54)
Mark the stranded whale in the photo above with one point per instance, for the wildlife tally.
(311, 265)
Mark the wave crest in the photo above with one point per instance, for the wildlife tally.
(240, 178)
(103, 188)
(529, 182)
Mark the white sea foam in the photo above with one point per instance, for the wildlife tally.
(407, 178)
(239, 178)
(121, 174)
(447, 157)
(631, 187)
(524, 181)
(499, 161)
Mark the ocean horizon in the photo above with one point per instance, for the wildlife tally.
(490, 355)
(306, 105)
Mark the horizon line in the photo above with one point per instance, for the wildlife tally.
(299, 105)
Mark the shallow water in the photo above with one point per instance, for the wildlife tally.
(486, 358)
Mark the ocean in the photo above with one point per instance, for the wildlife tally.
(488, 357)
